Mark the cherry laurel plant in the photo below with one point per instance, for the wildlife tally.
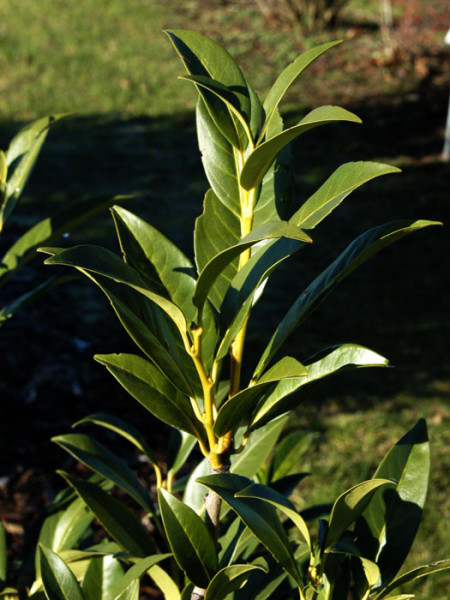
(228, 529)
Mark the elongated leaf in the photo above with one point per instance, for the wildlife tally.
(50, 229)
(335, 360)
(349, 506)
(151, 389)
(247, 287)
(165, 583)
(343, 181)
(62, 530)
(98, 458)
(102, 577)
(260, 518)
(144, 247)
(204, 57)
(131, 592)
(123, 429)
(194, 493)
(365, 575)
(100, 261)
(181, 445)
(266, 494)
(58, 580)
(228, 580)
(266, 232)
(388, 526)
(262, 157)
(288, 454)
(287, 78)
(258, 448)
(234, 410)
(360, 250)
(152, 333)
(20, 159)
(441, 565)
(139, 569)
(118, 521)
(189, 538)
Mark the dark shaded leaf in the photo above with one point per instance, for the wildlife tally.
(58, 580)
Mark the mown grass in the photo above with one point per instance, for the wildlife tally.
(109, 61)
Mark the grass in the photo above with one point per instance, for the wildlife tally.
(109, 62)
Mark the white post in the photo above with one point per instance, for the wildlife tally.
(446, 149)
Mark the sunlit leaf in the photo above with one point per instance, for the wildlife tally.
(58, 580)
(228, 580)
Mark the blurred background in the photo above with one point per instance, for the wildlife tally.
(109, 64)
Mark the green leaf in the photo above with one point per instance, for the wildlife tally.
(63, 529)
(152, 389)
(180, 447)
(123, 429)
(360, 250)
(343, 181)
(287, 78)
(20, 159)
(102, 577)
(258, 448)
(95, 259)
(212, 269)
(204, 57)
(131, 592)
(259, 161)
(365, 575)
(247, 287)
(239, 406)
(101, 460)
(349, 506)
(118, 521)
(259, 517)
(194, 493)
(341, 358)
(165, 583)
(228, 580)
(189, 538)
(387, 528)
(266, 494)
(139, 569)
(58, 580)
(288, 454)
(152, 333)
(146, 249)
(435, 567)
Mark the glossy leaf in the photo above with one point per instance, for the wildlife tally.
(194, 493)
(239, 406)
(441, 565)
(268, 231)
(365, 575)
(360, 250)
(388, 526)
(189, 538)
(130, 593)
(228, 580)
(62, 530)
(152, 334)
(146, 249)
(349, 506)
(98, 458)
(259, 161)
(117, 520)
(139, 569)
(100, 261)
(151, 389)
(102, 577)
(335, 360)
(247, 286)
(204, 57)
(20, 159)
(287, 78)
(266, 494)
(122, 428)
(259, 517)
(337, 187)
(58, 580)
(259, 446)
(180, 447)
(288, 454)
(165, 583)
